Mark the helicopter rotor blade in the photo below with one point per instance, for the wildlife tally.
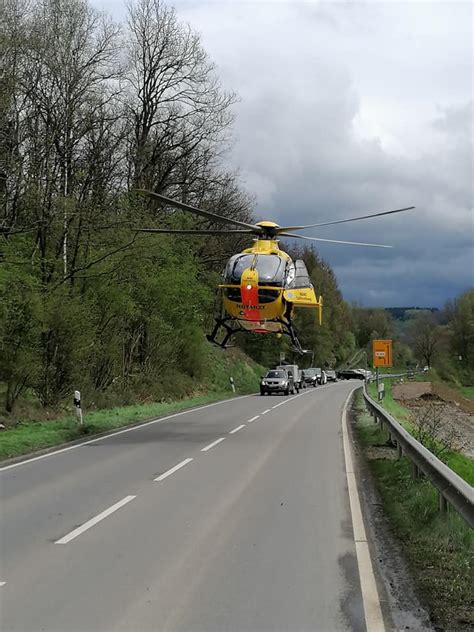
(197, 211)
(334, 241)
(194, 231)
(343, 221)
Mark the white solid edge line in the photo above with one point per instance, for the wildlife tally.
(211, 445)
(253, 419)
(370, 597)
(172, 470)
(114, 434)
(93, 521)
(266, 411)
(237, 429)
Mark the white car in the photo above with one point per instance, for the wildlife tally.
(322, 377)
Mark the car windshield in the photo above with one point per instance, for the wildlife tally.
(276, 374)
(309, 372)
(270, 268)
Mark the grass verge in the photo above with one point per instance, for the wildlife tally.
(439, 549)
(32, 436)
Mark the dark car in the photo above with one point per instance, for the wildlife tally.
(277, 381)
(310, 377)
(351, 374)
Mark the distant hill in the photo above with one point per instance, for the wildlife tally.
(399, 313)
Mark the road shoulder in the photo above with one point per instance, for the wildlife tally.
(401, 608)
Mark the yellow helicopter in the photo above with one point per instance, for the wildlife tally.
(262, 285)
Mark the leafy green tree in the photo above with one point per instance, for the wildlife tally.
(20, 313)
(426, 340)
(459, 316)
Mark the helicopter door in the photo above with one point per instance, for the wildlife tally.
(298, 276)
(300, 290)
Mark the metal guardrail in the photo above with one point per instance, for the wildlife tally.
(452, 489)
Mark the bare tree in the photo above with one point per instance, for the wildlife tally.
(426, 338)
(12, 46)
(175, 103)
(67, 63)
(433, 430)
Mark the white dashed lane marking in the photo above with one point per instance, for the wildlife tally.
(253, 419)
(211, 445)
(90, 523)
(280, 404)
(237, 429)
(173, 470)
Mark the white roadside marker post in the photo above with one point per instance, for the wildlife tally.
(231, 380)
(77, 404)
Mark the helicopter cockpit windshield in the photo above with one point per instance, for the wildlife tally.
(271, 268)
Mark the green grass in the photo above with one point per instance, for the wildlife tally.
(467, 391)
(439, 548)
(401, 413)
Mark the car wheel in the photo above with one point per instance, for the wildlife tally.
(262, 392)
(287, 391)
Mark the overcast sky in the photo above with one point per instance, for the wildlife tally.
(350, 108)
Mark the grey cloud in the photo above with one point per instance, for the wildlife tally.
(352, 108)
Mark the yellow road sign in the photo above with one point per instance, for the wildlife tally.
(382, 352)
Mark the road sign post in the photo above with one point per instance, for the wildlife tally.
(380, 389)
(382, 353)
(77, 405)
(381, 356)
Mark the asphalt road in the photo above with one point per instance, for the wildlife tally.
(235, 516)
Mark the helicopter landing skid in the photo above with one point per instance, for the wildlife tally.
(229, 332)
(288, 329)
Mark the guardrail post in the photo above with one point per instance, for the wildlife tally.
(414, 470)
(399, 450)
(443, 503)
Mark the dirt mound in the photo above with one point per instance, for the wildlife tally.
(429, 391)
(411, 390)
(457, 410)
